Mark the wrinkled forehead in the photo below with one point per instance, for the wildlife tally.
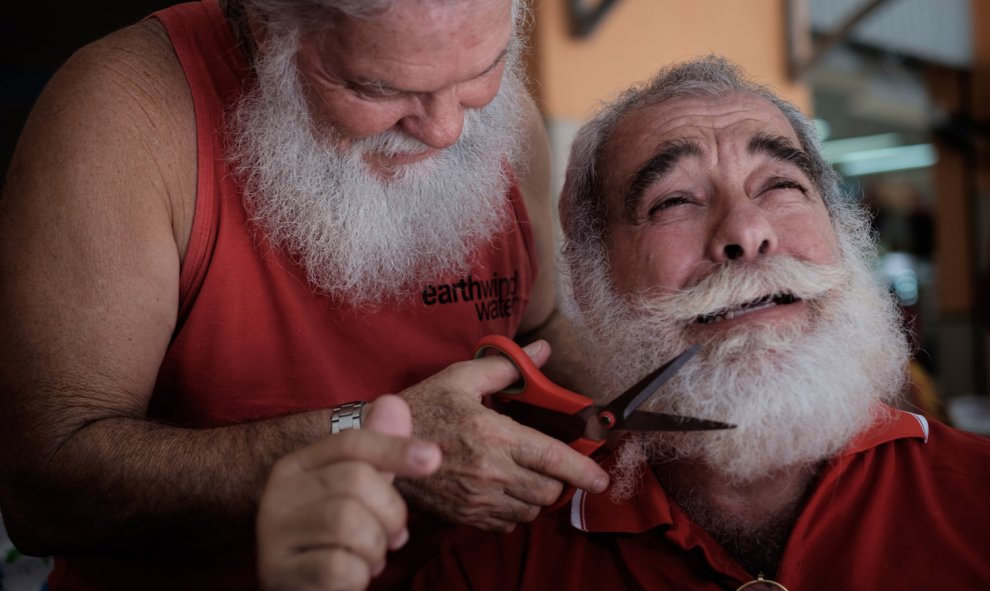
(404, 17)
(726, 122)
(421, 36)
(415, 46)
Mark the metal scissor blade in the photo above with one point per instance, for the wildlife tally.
(642, 420)
(631, 399)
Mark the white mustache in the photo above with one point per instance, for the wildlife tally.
(734, 284)
(392, 142)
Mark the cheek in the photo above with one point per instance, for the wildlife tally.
(650, 260)
(477, 94)
(811, 238)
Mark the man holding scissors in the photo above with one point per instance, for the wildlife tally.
(228, 226)
(698, 210)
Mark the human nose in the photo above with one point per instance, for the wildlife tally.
(439, 120)
(743, 232)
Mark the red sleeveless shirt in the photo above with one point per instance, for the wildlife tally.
(253, 340)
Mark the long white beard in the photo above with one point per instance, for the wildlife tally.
(797, 394)
(360, 237)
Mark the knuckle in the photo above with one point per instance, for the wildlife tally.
(465, 514)
(344, 516)
(549, 492)
(474, 505)
(455, 369)
(471, 503)
(343, 571)
(395, 507)
(355, 479)
(390, 510)
(529, 514)
(485, 473)
(484, 480)
(334, 516)
(352, 526)
(550, 456)
(497, 526)
(360, 478)
(456, 374)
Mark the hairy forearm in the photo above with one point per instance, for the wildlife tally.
(131, 484)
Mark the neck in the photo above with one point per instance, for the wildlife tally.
(751, 520)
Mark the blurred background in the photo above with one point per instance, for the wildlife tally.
(900, 90)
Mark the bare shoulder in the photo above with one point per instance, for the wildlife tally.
(134, 69)
(93, 217)
(119, 103)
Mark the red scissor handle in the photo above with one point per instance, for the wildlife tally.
(586, 446)
(537, 389)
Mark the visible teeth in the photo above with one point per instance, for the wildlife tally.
(758, 304)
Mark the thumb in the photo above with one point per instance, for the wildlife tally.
(390, 415)
(538, 351)
(495, 371)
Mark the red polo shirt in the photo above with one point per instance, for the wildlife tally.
(907, 506)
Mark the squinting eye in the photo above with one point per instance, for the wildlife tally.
(375, 94)
(787, 184)
(667, 203)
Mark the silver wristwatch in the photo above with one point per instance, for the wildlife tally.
(346, 416)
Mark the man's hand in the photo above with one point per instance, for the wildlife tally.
(496, 472)
(330, 512)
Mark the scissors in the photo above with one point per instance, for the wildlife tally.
(620, 414)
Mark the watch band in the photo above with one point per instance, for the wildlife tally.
(346, 416)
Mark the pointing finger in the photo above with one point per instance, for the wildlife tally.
(404, 456)
(495, 372)
(554, 458)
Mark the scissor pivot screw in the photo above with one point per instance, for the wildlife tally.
(606, 419)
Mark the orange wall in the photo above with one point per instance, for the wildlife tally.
(638, 37)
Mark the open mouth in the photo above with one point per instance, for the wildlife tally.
(766, 301)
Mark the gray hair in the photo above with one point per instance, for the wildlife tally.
(315, 15)
(583, 206)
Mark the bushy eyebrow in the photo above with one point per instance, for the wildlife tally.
(380, 86)
(780, 148)
(654, 169)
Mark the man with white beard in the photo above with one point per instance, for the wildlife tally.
(698, 209)
(225, 229)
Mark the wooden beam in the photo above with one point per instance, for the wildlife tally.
(801, 60)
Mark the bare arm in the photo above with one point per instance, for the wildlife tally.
(93, 225)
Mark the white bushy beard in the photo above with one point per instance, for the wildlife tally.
(361, 237)
(797, 393)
